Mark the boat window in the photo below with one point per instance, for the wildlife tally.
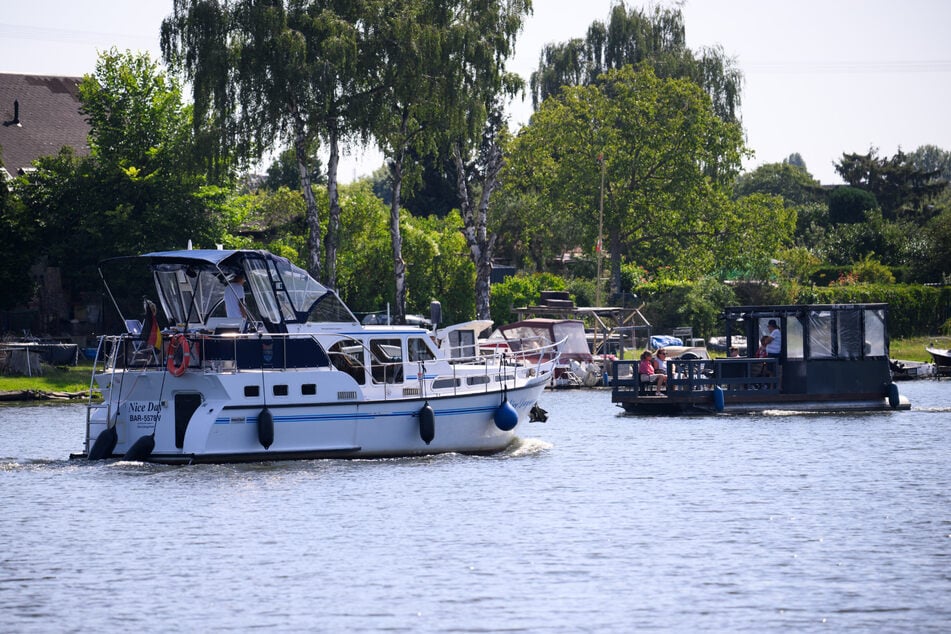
(418, 350)
(308, 389)
(820, 334)
(330, 308)
(347, 356)
(875, 333)
(260, 281)
(280, 390)
(849, 330)
(386, 360)
(793, 335)
(573, 334)
(462, 344)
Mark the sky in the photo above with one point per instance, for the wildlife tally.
(822, 77)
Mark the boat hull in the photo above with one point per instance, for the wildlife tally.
(201, 421)
(752, 403)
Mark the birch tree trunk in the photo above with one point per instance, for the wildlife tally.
(332, 239)
(475, 225)
(312, 220)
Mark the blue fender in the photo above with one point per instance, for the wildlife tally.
(718, 400)
(506, 417)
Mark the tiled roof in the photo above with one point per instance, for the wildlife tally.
(49, 118)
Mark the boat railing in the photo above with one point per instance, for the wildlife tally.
(233, 352)
(692, 376)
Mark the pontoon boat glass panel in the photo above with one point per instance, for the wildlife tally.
(820, 334)
(849, 329)
(793, 335)
(875, 333)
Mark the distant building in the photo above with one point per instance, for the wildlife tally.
(39, 115)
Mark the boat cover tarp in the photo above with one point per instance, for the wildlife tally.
(660, 341)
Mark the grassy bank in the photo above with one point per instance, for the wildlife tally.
(913, 348)
(54, 379)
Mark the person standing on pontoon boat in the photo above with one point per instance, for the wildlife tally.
(234, 298)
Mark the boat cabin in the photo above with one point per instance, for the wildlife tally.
(830, 355)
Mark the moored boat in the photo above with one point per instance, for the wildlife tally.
(831, 358)
(942, 360)
(538, 339)
(288, 372)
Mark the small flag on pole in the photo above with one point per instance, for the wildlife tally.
(151, 331)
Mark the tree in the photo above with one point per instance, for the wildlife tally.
(284, 171)
(795, 185)
(278, 70)
(667, 161)
(897, 184)
(139, 190)
(440, 63)
(932, 159)
(654, 37)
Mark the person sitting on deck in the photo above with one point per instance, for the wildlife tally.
(660, 362)
(646, 371)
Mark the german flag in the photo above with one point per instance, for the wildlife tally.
(151, 332)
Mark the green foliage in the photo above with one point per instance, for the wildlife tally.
(798, 263)
(848, 205)
(900, 187)
(871, 271)
(285, 172)
(704, 302)
(653, 38)
(15, 249)
(519, 291)
(913, 309)
(794, 184)
(665, 159)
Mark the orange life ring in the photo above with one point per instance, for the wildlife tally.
(177, 366)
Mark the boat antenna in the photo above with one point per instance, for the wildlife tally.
(109, 292)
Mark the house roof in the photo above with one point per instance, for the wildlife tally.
(39, 115)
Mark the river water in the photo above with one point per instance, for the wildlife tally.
(595, 522)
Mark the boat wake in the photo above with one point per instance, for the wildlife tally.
(521, 447)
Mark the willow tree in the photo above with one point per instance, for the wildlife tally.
(654, 37)
(668, 162)
(269, 71)
(440, 62)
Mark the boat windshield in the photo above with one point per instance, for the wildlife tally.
(287, 293)
(573, 334)
(188, 294)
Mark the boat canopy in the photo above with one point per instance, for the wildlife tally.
(540, 332)
(816, 331)
(191, 286)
